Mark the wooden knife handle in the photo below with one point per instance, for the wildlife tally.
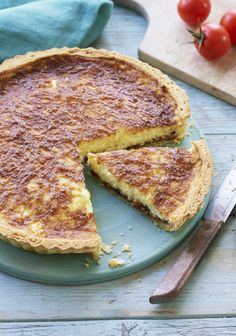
(178, 275)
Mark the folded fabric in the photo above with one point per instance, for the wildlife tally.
(13, 3)
(43, 24)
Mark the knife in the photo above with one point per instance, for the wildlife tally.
(214, 217)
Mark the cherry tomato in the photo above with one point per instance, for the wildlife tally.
(211, 40)
(194, 11)
(228, 21)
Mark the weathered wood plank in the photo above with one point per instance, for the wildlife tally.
(211, 292)
(223, 148)
(190, 327)
(123, 32)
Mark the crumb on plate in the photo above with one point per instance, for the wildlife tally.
(115, 262)
(126, 248)
(106, 248)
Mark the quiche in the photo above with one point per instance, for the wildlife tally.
(169, 184)
(57, 106)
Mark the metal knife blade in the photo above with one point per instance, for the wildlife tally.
(224, 201)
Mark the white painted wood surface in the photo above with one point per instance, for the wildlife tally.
(166, 46)
(52, 310)
(210, 293)
(203, 327)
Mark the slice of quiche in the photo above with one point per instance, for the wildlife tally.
(170, 184)
(44, 203)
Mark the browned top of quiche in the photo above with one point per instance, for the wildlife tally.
(44, 203)
(86, 94)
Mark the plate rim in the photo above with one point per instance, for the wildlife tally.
(109, 275)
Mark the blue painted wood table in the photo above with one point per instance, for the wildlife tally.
(207, 306)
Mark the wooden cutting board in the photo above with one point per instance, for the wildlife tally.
(165, 46)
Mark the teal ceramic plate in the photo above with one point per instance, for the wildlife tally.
(116, 220)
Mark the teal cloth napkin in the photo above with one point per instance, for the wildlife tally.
(30, 25)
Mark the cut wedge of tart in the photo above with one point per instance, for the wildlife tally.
(169, 184)
(55, 107)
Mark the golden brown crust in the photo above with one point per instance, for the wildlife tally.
(202, 177)
(39, 120)
(172, 181)
(88, 243)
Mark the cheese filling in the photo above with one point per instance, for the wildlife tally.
(125, 139)
(133, 194)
